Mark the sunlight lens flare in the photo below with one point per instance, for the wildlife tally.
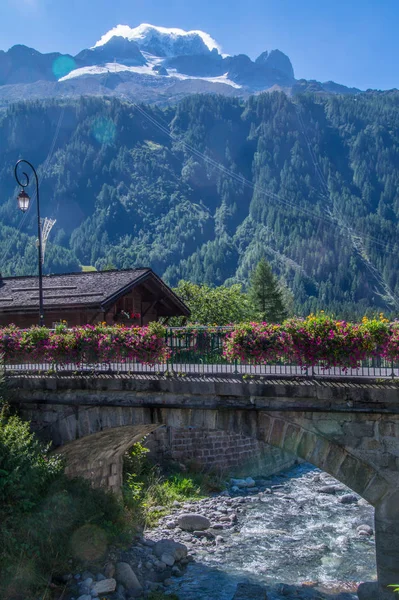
(89, 543)
(62, 66)
(104, 130)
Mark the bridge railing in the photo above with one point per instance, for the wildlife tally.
(200, 351)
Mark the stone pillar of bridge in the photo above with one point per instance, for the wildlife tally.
(387, 550)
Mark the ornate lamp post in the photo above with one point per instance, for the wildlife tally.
(23, 205)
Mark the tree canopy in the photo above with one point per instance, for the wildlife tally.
(201, 191)
(265, 294)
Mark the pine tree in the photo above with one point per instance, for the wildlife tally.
(265, 294)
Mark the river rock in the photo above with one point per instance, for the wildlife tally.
(126, 576)
(243, 483)
(365, 530)
(329, 489)
(348, 499)
(109, 570)
(176, 572)
(250, 591)
(168, 559)
(177, 550)
(104, 586)
(192, 522)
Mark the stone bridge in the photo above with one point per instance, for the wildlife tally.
(350, 430)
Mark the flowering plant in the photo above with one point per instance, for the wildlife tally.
(316, 340)
(258, 343)
(321, 339)
(88, 344)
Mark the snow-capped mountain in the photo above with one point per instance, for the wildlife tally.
(177, 54)
(163, 41)
(147, 63)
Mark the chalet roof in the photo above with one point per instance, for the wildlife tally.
(93, 289)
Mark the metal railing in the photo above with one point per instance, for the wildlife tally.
(199, 351)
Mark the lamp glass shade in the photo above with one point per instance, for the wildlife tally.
(23, 201)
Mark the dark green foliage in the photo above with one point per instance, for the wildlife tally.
(265, 294)
(146, 486)
(26, 469)
(310, 183)
(45, 517)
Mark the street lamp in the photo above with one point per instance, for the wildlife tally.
(23, 204)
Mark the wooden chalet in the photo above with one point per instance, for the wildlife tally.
(132, 297)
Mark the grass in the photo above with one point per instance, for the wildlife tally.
(88, 268)
(146, 487)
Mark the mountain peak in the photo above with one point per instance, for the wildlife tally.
(163, 41)
(276, 59)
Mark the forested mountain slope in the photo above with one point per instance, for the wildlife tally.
(204, 189)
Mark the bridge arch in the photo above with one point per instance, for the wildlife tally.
(94, 440)
(351, 432)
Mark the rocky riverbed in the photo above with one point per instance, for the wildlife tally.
(298, 535)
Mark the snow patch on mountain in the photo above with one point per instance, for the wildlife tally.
(220, 79)
(170, 41)
(110, 68)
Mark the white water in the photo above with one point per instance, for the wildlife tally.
(294, 535)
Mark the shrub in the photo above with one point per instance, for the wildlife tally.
(46, 518)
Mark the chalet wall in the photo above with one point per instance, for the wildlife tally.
(131, 302)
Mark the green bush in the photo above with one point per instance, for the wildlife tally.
(46, 518)
(26, 469)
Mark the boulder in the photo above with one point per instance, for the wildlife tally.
(175, 549)
(104, 586)
(192, 522)
(109, 570)
(243, 483)
(168, 559)
(348, 499)
(126, 576)
(365, 530)
(329, 489)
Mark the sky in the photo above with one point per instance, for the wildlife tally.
(353, 42)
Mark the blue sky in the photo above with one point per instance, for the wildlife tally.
(354, 42)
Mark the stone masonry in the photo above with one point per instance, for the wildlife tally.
(218, 451)
(350, 430)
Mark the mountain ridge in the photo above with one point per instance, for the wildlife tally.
(154, 60)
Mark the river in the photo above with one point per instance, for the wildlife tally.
(295, 535)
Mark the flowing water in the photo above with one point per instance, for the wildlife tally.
(295, 535)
